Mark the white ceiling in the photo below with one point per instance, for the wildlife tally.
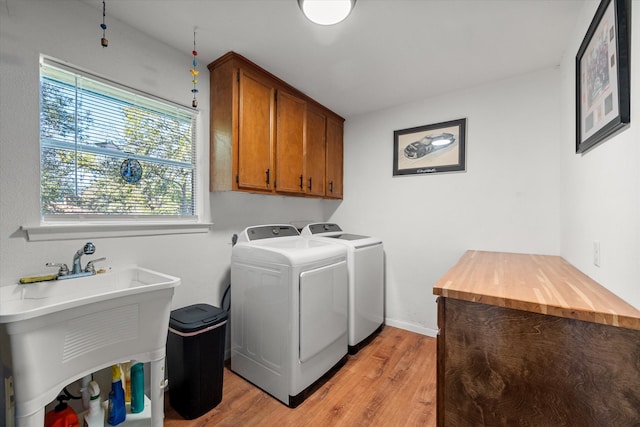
(387, 52)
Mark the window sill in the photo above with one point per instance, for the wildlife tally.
(38, 233)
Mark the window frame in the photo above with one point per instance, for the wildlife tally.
(74, 226)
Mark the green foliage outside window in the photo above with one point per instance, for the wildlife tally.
(89, 127)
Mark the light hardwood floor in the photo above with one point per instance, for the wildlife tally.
(390, 382)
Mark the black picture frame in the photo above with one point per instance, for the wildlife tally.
(428, 149)
(603, 99)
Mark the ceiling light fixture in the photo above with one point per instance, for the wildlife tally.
(326, 12)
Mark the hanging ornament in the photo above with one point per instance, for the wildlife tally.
(194, 72)
(131, 170)
(103, 41)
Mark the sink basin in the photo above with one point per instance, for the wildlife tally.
(20, 302)
(62, 330)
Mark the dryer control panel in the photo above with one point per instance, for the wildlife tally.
(270, 231)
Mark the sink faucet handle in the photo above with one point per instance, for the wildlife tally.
(90, 268)
(63, 269)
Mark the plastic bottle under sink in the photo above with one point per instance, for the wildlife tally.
(137, 388)
(62, 416)
(126, 371)
(117, 408)
(95, 416)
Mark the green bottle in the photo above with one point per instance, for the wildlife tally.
(137, 388)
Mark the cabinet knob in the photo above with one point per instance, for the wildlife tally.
(267, 172)
(330, 186)
(301, 186)
(309, 183)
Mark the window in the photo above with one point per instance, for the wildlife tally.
(107, 151)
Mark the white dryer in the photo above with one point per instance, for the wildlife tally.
(288, 311)
(365, 261)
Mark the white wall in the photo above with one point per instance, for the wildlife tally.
(507, 200)
(69, 30)
(601, 189)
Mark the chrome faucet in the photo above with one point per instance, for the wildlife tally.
(77, 271)
(88, 249)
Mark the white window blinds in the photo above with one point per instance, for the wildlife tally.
(107, 150)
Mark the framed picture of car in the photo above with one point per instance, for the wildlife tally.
(439, 147)
(603, 105)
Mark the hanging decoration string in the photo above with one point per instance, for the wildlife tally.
(194, 72)
(103, 41)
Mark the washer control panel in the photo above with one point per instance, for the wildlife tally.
(323, 228)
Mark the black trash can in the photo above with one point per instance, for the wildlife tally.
(195, 358)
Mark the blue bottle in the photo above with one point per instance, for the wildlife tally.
(117, 408)
(137, 388)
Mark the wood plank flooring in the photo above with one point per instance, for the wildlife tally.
(390, 382)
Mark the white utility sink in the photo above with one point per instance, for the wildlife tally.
(62, 330)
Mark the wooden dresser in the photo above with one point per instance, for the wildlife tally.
(529, 340)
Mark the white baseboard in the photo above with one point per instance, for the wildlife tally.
(412, 327)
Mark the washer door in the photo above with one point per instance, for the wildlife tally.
(323, 308)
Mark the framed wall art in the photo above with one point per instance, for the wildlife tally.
(439, 147)
(602, 76)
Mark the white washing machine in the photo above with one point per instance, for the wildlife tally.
(365, 261)
(288, 310)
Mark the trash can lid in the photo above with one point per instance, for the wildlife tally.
(195, 317)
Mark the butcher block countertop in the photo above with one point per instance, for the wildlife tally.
(542, 284)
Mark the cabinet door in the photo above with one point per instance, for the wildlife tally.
(289, 143)
(255, 133)
(314, 152)
(334, 158)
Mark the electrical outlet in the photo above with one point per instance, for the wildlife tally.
(596, 253)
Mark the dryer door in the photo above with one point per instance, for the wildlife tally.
(323, 308)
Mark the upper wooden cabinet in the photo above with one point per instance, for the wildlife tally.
(315, 140)
(334, 165)
(256, 109)
(291, 112)
(267, 137)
